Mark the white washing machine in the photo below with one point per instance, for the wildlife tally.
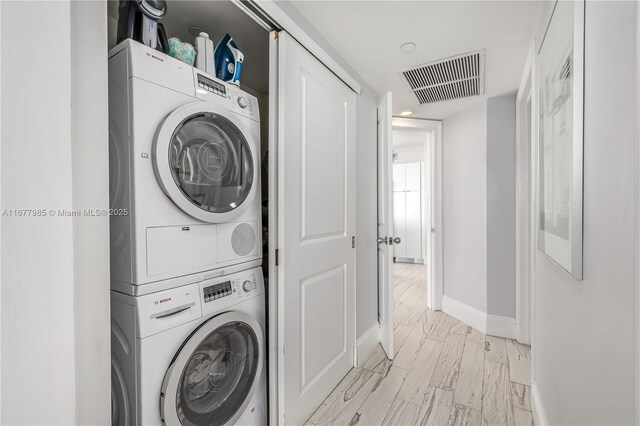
(184, 171)
(192, 355)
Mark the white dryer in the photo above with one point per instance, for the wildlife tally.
(184, 171)
(192, 355)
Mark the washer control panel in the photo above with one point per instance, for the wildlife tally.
(217, 291)
(246, 286)
(222, 292)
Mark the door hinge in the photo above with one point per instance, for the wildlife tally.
(353, 242)
(277, 257)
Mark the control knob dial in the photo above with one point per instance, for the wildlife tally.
(242, 102)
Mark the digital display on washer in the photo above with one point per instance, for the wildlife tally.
(211, 86)
(217, 291)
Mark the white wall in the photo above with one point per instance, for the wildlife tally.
(54, 283)
(465, 206)
(479, 210)
(408, 153)
(584, 337)
(37, 253)
(408, 135)
(408, 144)
(501, 201)
(366, 172)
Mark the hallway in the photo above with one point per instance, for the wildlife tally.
(444, 372)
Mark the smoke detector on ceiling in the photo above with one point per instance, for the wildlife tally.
(456, 77)
(408, 47)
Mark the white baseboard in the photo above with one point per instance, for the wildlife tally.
(465, 313)
(494, 325)
(540, 416)
(502, 326)
(366, 344)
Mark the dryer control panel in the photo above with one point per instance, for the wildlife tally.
(209, 88)
(243, 103)
(210, 85)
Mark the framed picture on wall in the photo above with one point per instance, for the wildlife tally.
(560, 81)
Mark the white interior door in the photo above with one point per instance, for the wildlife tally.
(385, 225)
(316, 226)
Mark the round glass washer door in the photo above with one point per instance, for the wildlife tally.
(215, 374)
(205, 163)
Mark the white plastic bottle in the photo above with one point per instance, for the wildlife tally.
(204, 58)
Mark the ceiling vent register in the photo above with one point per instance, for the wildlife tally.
(450, 78)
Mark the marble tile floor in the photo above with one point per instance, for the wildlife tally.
(444, 373)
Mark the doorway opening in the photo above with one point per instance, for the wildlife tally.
(417, 201)
(410, 239)
(414, 218)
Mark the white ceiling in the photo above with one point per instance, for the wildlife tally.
(368, 35)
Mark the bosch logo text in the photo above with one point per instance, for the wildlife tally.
(157, 58)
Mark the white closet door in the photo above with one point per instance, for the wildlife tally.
(399, 223)
(413, 246)
(399, 177)
(317, 122)
(413, 177)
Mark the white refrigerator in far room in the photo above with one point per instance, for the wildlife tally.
(407, 212)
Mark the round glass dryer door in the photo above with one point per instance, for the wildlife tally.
(204, 162)
(213, 378)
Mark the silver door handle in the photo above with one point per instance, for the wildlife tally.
(389, 240)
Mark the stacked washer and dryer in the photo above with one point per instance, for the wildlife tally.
(187, 299)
